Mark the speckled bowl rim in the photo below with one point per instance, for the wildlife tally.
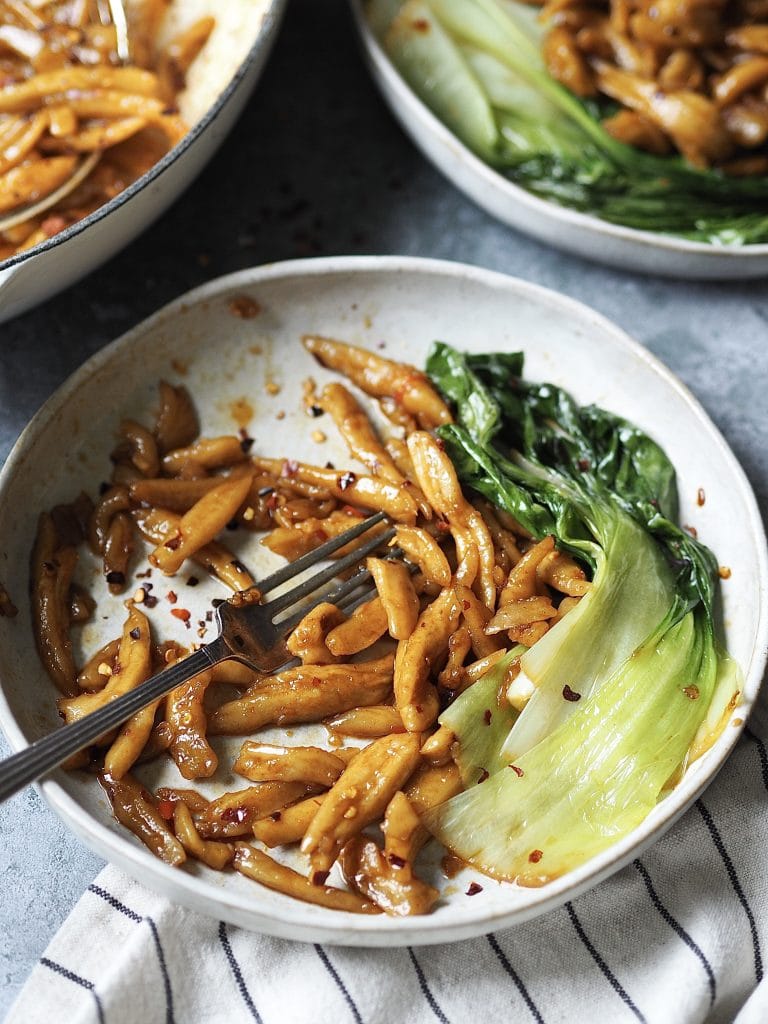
(269, 25)
(492, 179)
(362, 930)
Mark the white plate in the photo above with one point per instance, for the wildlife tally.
(578, 233)
(218, 84)
(404, 303)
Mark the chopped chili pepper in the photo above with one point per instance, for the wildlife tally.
(570, 694)
(165, 809)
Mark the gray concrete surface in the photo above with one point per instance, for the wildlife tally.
(317, 166)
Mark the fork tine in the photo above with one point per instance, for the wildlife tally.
(312, 584)
(287, 572)
(343, 596)
(332, 597)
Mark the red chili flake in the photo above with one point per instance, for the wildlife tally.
(700, 497)
(440, 443)
(209, 616)
(192, 581)
(487, 716)
(583, 465)
(272, 501)
(115, 578)
(483, 776)
(350, 510)
(570, 694)
(346, 480)
(246, 444)
(518, 771)
(149, 601)
(135, 633)
(320, 534)
(276, 815)
(692, 530)
(442, 525)
(474, 889)
(395, 861)
(181, 613)
(466, 605)
(172, 596)
(535, 856)
(234, 815)
(165, 809)
(289, 468)
(173, 543)
(319, 877)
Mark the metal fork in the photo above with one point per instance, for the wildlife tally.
(249, 631)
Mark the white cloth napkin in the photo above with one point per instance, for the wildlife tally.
(678, 937)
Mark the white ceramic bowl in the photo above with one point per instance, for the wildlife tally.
(574, 232)
(404, 303)
(218, 85)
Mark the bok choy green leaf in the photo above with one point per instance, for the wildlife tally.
(628, 685)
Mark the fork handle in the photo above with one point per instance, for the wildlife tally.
(41, 757)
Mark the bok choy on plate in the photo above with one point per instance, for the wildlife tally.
(478, 65)
(566, 746)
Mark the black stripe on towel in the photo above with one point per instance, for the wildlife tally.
(237, 973)
(342, 987)
(516, 978)
(678, 929)
(426, 991)
(717, 839)
(761, 753)
(113, 901)
(82, 982)
(607, 973)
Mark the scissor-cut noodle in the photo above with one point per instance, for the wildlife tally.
(65, 98)
(457, 584)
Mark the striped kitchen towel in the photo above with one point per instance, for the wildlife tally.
(677, 937)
